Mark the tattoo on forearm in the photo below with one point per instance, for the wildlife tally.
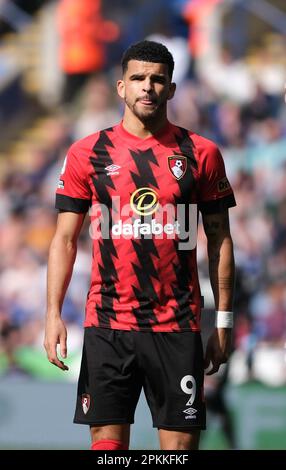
(225, 283)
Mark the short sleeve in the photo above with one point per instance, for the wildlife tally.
(214, 191)
(73, 193)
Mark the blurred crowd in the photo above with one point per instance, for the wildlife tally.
(237, 102)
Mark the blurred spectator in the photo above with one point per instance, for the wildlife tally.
(83, 34)
(197, 14)
(99, 108)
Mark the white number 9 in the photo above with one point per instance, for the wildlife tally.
(189, 390)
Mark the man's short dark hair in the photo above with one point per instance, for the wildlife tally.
(148, 51)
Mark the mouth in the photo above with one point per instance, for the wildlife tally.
(147, 101)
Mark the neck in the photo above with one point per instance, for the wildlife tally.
(143, 129)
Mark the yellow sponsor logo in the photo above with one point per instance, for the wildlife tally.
(144, 201)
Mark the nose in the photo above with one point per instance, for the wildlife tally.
(147, 85)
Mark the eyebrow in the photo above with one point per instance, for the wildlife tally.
(153, 76)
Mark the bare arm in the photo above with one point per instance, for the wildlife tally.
(222, 276)
(62, 255)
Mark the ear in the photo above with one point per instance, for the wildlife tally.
(172, 90)
(121, 88)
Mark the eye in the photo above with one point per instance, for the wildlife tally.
(161, 80)
(136, 77)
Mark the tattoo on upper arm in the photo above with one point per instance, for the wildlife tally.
(214, 259)
(216, 224)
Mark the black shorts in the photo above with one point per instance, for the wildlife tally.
(116, 365)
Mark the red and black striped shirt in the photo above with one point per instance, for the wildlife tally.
(143, 193)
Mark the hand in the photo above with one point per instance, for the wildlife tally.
(56, 333)
(218, 349)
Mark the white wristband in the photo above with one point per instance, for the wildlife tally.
(223, 319)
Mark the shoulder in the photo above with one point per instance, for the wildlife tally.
(203, 144)
(199, 143)
(84, 145)
(207, 153)
(97, 140)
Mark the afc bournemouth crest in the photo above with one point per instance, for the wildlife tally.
(177, 166)
(85, 402)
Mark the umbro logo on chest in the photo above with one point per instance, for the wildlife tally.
(112, 169)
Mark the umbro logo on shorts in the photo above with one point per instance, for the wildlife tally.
(190, 412)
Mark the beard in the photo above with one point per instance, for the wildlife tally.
(147, 113)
